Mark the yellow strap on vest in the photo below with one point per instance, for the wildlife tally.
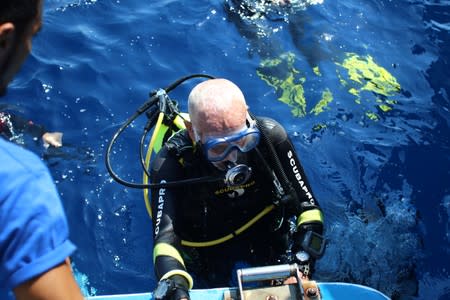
(313, 215)
(179, 120)
(159, 139)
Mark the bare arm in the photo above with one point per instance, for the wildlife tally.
(57, 283)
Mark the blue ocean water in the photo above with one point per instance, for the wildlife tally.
(378, 161)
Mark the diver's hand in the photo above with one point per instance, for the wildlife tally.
(309, 238)
(305, 265)
(52, 139)
(172, 288)
(293, 279)
(180, 294)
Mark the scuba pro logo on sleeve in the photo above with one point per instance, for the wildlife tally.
(299, 178)
(162, 193)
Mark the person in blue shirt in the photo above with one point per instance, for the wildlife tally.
(34, 236)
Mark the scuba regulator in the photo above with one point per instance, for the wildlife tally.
(237, 174)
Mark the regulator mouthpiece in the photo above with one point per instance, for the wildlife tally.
(237, 174)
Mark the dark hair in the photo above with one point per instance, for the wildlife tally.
(18, 12)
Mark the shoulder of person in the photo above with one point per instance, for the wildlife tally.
(179, 143)
(273, 128)
(17, 161)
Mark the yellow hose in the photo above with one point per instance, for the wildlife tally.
(264, 212)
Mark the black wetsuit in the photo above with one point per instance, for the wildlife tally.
(209, 211)
(12, 125)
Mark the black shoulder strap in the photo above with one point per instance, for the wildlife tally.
(280, 178)
(181, 146)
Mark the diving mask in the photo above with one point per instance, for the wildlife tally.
(245, 139)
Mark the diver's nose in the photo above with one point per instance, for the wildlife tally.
(228, 162)
(232, 156)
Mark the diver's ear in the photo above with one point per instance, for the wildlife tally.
(6, 36)
(188, 125)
